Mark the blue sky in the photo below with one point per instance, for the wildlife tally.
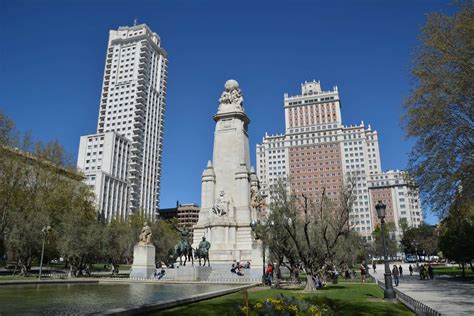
(53, 55)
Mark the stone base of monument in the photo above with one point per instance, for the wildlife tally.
(143, 261)
(192, 273)
(216, 273)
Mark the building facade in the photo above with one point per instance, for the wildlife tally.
(186, 214)
(131, 117)
(317, 152)
(401, 196)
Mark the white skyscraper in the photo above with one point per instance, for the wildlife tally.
(122, 161)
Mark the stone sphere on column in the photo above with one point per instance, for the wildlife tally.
(231, 84)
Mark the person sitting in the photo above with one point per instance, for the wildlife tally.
(334, 275)
(269, 275)
(317, 281)
(160, 274)
(247, 265)
(235, 269)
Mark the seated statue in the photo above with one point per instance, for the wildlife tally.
(145, 235)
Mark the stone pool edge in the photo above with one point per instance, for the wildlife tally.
(173, 303)
(32, 282)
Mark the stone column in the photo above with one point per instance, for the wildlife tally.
(242, 194)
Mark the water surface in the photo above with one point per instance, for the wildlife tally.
(80, 299)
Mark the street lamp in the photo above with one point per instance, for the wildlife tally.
(389, 293)
(44, 234)
(415, 244)
(253, 225)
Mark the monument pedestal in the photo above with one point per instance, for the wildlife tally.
(143, 261)
(193, 273)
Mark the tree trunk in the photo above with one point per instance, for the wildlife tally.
(69, 275)
(463, 265)
(309, 283)
(470, 263)
(277, 284)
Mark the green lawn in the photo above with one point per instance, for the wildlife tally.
(453, 271)
(16, 277)
(343, 299)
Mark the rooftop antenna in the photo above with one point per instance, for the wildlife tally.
(135, 22)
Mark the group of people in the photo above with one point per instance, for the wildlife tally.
(397, 272)
(426, 273)
(237, 267)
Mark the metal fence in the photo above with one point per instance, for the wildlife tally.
(416, 306)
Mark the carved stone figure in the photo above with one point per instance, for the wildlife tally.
(145, 235)
(256, 199)
(232, 94)
(221, 207)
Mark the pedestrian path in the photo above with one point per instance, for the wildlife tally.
(441, 294)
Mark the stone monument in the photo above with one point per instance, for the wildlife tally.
(143, 255)
(227, 182)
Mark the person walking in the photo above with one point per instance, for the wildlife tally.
(411, 269)
(374, 266)
(363, 271)
(395, 273)
(422, 272)
(430, 271)
(400, 269)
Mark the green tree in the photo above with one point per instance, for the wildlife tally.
(7, 131)
(314, 230)
(440, 110)
(425, 237)
(457, 231)
(389, 238)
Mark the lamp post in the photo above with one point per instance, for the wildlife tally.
(388, 293)
(253, 225)
(415, 244)
(44, 233)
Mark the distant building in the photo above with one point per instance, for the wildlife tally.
(317, 152)
(186, 214)
(122, 161)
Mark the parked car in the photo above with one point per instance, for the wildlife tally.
(410, 259)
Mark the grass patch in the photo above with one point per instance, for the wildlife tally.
(17, 277)
(343, 299)
(453, 271)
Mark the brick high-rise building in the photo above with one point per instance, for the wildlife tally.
(317, 152)
(122, 161)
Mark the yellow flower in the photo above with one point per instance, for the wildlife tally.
(293, 309)
(245, 309)
(314, 311)
(279, 307)
(258, 305)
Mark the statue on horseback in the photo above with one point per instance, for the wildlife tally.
(183, 247)
(203, 251)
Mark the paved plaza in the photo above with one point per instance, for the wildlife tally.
(442, 294)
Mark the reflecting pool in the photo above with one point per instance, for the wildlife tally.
(80, 299)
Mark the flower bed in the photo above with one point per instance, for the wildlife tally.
(285, 306)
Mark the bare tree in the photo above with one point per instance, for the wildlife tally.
(307, 231)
